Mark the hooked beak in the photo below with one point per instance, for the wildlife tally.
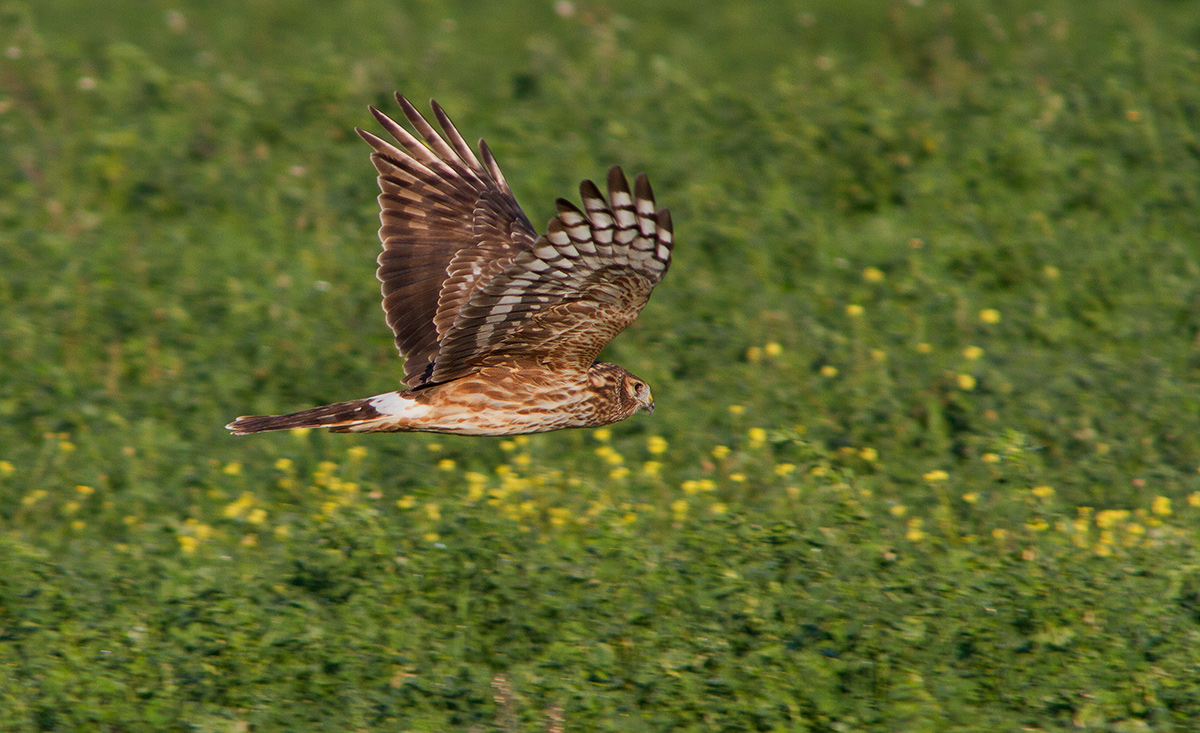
(648, 405)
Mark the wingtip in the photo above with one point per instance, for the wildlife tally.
(641, 187)
(617, 180)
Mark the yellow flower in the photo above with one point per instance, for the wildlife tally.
(898, 510)
(71, 507)
(772, 349)
(999, 534)
(990, 458)
(78, 524)
(85, 490)
(970, 497)
(679, 508)
(406, 502)
(446, 464)
(829, 370)
(758, 437)
(1051, 272)
(1194, 498)
(1037, 525)
(507, 446)
(869, 454)
(1161, 506)
(257, 516)
(651, 468)
(300, 432)
(656, 445)
(854, 310)
(522, 459)
(972, 353)
(739, 410)
(737, 478)
(936, 476)
(965, 382)
(872, 275)
(187, 543)
(1111, 517)
(924, 348)
(784, 469)
(433, 447)
(232, 468)
(238, 507)
(433, 511)
(720, 451)
(282, 531)
(618, 473)
(602, 434)
(66, 446)
(1042, 492)
(753, 354)
(284, 464)
(989, 315)
(356, 452)
(915, 533)
(718, 507)
(6, 468)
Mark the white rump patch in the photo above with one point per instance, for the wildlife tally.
(396, 404)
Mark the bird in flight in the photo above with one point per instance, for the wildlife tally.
(499, 327)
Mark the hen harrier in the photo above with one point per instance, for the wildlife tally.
(498, 327)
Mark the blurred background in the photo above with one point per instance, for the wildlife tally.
(925, 366)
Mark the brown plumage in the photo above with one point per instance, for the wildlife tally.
(499, 328)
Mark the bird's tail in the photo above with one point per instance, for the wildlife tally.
(340, 417)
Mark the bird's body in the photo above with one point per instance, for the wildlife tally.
(499, 327)
(493, 401)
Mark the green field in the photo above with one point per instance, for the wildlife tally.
(926, 367)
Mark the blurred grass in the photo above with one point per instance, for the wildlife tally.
(926, 450)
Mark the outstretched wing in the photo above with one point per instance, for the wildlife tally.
(449, 226)
(560, 301)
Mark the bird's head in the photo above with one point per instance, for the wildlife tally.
(629, 393)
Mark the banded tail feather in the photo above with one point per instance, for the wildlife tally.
(339, 417)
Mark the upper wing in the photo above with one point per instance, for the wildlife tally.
(449, 226)
(559, 302)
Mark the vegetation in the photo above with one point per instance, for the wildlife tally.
(926, 366)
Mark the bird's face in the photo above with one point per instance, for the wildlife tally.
(626, 393)
(639, 393)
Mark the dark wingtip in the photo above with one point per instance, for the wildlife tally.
(617, 180)
(641, 187)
